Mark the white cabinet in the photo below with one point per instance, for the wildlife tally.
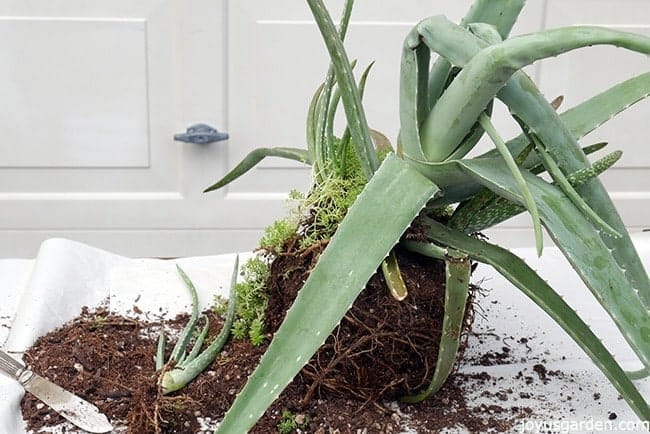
(93, 92)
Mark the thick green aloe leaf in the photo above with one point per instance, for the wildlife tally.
(255, 157)
(524, 99)
(579, 121)
(349, 92)
(391, 200)
(327, 100)
(512, 166)
(523, 277)
(186, 334)
(583, 248)
(488, 209)
(502, 14)
(413, 104)
(585, 117)
(180, 375)
(457, 275)
(489, 69)
(393, 277)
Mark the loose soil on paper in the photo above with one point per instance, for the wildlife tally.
(349, 386)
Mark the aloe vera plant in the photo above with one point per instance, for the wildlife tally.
(183, 367)
(444, 110)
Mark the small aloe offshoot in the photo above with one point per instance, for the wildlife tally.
(183, 367)
(444, 110)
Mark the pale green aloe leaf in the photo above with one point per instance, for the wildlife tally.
(485, 74)
(420, 89)
(311, 121)
(639, 375)
(352, 256)
(525, 100)
(457, 275)
(413, 104)
(349, 92)
(585, 117)
(160, 352)
(198, 343)
(178, 352)
(578, 121)
(257, 155)
(393, 277)
(488, 209)
(502, 14)
(529, 202)
(472, 138)
(582, 246)
(179, 376)
(325, 101)
(528, 103)
(562, 182)
(530, 283)
(345, 138)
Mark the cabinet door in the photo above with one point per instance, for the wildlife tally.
(93, 93)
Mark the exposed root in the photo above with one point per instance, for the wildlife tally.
(383, 348)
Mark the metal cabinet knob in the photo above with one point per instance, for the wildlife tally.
(200, 134)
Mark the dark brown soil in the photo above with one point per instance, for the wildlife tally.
(108, 360)
(383, 349)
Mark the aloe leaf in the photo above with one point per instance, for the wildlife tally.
(638, 375)
(178, 352)
(349, 92)
(413, 104)
(393, 277)
(160, 351)
(529, 202)
(488, 209)
(585, 117)
(578, 121)
(311, 122)
(524, 99)
(255, 157)
(472, 138)
(559, 178)
(325, 98)
(352, 256)
(179, 376)
(457, 275)
(331, 151)
(583, 248)
(486, 73)
(502, 14)
(523, 277)
(345, 138)
(198, 343)
(527, 103)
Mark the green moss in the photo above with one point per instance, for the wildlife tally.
(277, 234)
(251, 301)
(320, 212)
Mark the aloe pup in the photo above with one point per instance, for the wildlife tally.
(444, 110)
